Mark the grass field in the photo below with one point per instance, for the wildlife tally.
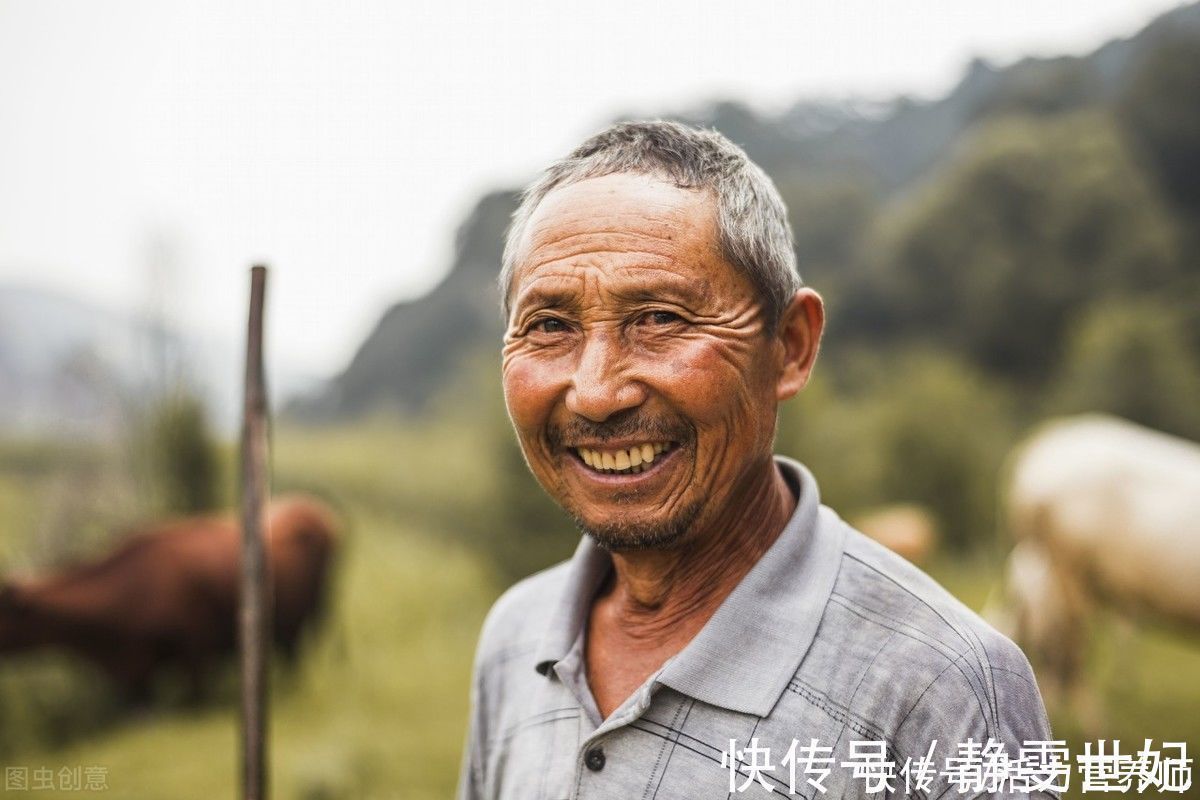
(376, 711)
(378, 708)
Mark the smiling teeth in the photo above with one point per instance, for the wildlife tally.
(627, 461)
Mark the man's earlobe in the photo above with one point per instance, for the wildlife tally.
(799, 332)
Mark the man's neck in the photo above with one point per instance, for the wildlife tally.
(663, 595)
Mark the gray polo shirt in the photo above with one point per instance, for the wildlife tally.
(828, 637)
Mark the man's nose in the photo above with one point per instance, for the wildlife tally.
(601, 385)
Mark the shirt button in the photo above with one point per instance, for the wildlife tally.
(594, 759)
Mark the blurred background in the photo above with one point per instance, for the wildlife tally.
(998, 201)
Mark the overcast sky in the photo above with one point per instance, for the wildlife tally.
(343, 142)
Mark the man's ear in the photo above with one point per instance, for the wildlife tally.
(799, 334)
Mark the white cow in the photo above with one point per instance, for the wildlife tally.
(1104, 512)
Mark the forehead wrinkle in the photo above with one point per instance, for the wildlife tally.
(557, 288)
(617, 243)
(610, 223)
(649, 215)
(595, 268)
(663, 226)
(667, 283)
(640, 280)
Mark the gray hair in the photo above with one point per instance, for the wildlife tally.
(752, 224)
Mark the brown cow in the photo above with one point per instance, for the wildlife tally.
(167, 596)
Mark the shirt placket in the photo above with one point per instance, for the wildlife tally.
(591, 757)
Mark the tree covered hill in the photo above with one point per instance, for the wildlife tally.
(997, 223)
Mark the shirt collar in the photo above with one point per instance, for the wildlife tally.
(746, 654)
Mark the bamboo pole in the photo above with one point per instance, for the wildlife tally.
(254, 617)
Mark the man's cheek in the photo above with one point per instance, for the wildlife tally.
(710, 379)
(527, 396)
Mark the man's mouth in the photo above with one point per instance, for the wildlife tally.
(623, 461)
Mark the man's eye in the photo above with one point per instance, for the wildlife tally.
(549, 325)
(661, 317)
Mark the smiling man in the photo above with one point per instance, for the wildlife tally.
(718, 630)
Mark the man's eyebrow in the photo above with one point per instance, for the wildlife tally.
(660, 289)
(546, 297)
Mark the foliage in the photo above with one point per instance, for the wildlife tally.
(60, 501)
(1030, 222)
(917, 426)
(830, 215)
(1158, 109)
(180, 454)
(1133, 358)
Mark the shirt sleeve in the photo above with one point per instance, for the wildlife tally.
(1001, 703)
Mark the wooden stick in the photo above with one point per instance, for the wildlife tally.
(255, 603)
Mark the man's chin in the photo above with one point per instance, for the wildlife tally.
(628, 535)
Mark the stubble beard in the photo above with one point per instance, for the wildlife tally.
(630, 536)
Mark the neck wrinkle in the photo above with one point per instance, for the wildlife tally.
(666, 593)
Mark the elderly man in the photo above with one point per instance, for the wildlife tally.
(718, 630)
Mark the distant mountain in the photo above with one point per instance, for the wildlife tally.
(855, 154)
(417, 345)
(72, 368)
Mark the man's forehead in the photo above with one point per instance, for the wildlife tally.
(631, 205)
(621, 187)
(638, 234)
